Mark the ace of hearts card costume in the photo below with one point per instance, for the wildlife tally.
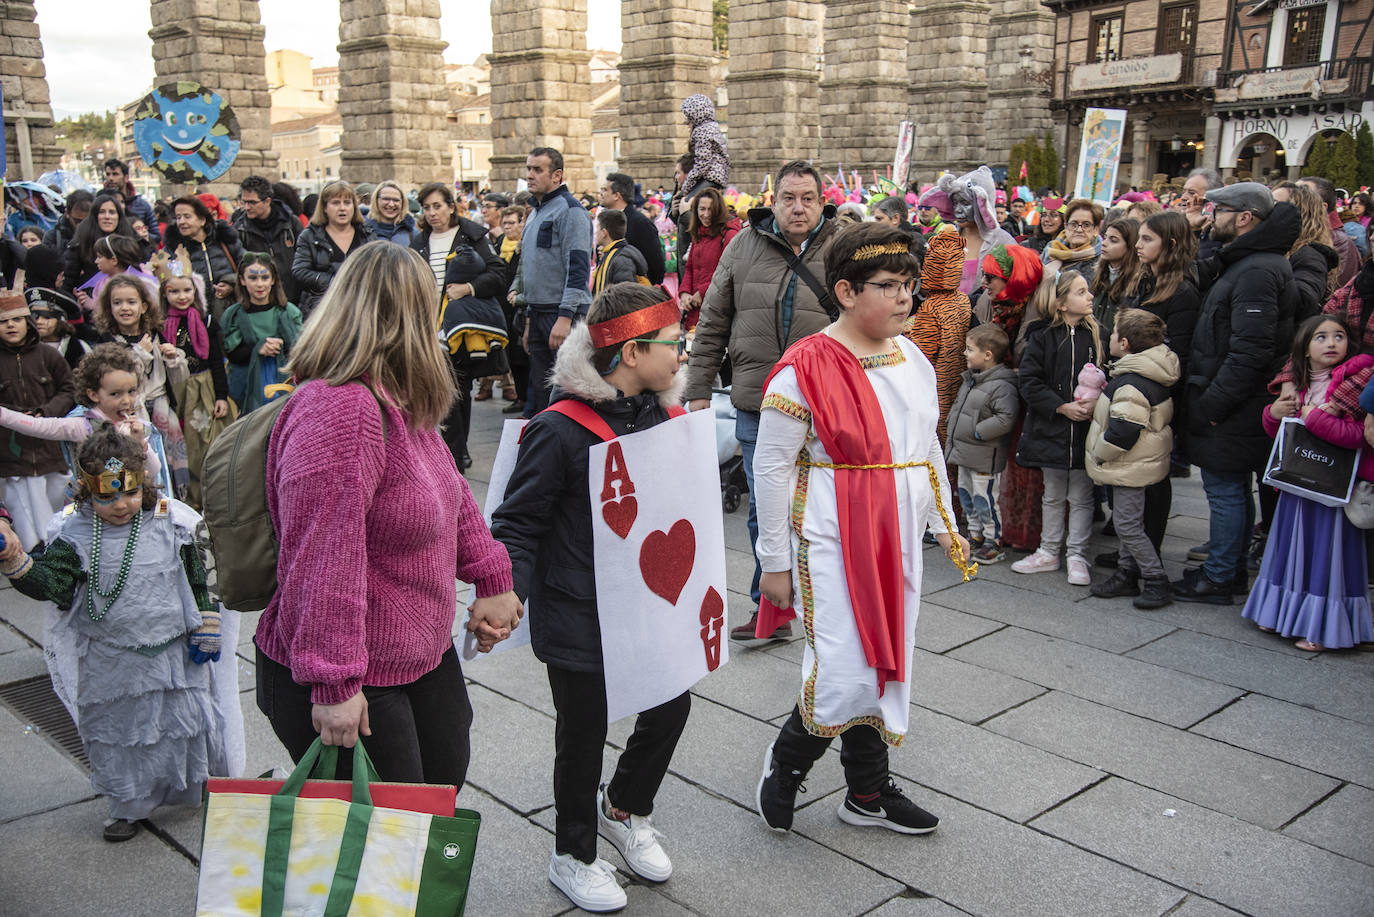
(545, 522)
(846, 458)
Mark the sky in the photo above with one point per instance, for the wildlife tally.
(98, 61)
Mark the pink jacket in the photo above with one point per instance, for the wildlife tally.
(1344, 429)
(705, 255)
(374, 526)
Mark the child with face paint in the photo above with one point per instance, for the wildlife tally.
(135, 630)
(34, 380)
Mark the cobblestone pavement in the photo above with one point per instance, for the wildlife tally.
(1085, 759)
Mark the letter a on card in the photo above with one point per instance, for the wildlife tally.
(619, 514)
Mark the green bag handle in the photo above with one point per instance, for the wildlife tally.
(323, 759)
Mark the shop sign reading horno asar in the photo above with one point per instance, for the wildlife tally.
(1134, 71)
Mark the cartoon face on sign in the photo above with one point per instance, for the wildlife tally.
(186, 132)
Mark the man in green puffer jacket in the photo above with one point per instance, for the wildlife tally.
(756, 307)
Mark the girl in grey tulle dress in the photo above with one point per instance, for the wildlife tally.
(133, 644)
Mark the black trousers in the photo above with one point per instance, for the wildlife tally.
(579, 738)
(459, 419)
(1159, 499)
(419, 730)
(862, 752)
(539, 387)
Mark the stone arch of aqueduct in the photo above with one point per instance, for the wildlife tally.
(962, 70)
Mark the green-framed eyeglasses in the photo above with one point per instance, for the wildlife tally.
(679, 343)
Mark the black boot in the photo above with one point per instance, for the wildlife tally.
(1156, 594)
(1120, 583)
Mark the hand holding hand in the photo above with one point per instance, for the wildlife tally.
(777, 588)
(341, 724)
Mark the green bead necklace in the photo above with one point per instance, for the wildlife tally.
(94, 583)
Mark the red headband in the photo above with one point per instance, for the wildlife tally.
(636, 324)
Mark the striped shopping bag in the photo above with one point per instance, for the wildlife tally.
(328, 847)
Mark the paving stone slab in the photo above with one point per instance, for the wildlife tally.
(1307, 738)
(739, 570)
(1197, 906)
(1195, 530)
(1222, 621)
(917, 907)
(755, 684)
(22, 664)
(726, 861)
(722, 751)
(987, 770)
(248, 626)
(1260, 671)
(940, 629)
(23, 614)
(515, 674)
(264, 751)
(11, 640)
(1127, 684)
(1115, 631)
(1340, 824)
(67, 869)
(938, 571)
(512, 751)
(965, 691)
(1252, 787)
(510, 872)
(37, 776)
(985, 864)
(1242, 866)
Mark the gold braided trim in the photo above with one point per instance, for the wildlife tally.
(869, 252)
(787, 406)
(969, 570)
(881, 360)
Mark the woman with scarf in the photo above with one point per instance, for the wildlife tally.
(1079, 246)
(202, 399)
(1011, 275)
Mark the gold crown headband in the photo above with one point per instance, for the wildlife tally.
(869, 252)
(115, 479)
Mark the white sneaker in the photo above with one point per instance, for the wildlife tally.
(637, 841)
(1078, 571)
(590, 886)
(1039, 562)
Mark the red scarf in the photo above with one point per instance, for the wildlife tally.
(849, 423)
(195, 327)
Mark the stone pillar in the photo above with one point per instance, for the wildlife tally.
(1018, 84)
(219, 45)
(30, 141)
(540, 89)
(947, 66)
(665, 57)
(774, 117)
(393, 98)
(863, 90)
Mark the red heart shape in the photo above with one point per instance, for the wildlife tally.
(620, 515)
(666, 560)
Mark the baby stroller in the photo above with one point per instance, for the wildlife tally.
(733, 483)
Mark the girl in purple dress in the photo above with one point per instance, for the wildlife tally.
(1313, 581)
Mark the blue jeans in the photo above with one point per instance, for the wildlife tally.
(747, 432)
(1232, 520)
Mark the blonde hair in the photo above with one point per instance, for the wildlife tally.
(1049, 300)
(1315, 229)
(394, 186)
(377, 320)
(332, 190)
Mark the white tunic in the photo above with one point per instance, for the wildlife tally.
(799, 531)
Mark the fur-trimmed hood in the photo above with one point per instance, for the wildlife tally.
(574, 374)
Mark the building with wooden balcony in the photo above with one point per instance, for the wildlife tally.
(1158, 60)
(1293, 71)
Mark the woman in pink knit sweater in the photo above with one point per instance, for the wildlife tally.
(374, 523)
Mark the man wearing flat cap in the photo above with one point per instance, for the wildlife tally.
(1244, 332)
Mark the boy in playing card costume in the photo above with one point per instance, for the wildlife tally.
(617, 374)
(850, 472)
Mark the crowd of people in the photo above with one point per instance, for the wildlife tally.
(995, 376)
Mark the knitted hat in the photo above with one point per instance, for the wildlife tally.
(1052, 203)
(934, 197)
(12, 305)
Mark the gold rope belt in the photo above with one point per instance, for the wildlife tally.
(969, 570)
